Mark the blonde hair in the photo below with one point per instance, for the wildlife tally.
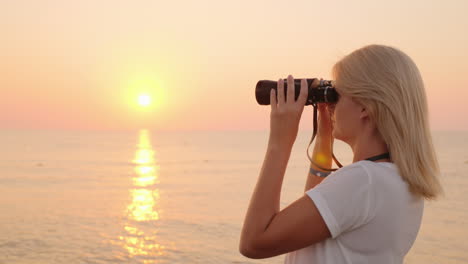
(388, 84)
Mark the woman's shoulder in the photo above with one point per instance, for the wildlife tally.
(366, 169)
(382, 173)
(353, 167)
(353, 171)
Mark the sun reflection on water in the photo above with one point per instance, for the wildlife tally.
(141, 238)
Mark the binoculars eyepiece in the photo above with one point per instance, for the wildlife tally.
(323, 93)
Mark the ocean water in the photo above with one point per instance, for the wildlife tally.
(147, 197)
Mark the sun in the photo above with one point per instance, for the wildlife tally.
(144, 100)
(144, 93)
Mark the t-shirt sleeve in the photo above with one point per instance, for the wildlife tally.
(344, 199)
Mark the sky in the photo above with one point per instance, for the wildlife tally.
(81, 65)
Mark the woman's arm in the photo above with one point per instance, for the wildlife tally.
(323, 148)
(322, 155)
(268, 232)
(265, 201)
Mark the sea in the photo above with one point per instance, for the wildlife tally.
(175, 197)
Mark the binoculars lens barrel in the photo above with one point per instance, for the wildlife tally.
(324, 93)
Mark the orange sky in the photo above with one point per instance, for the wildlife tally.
(81, 64)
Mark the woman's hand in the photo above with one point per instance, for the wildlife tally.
(286, 113)
(325, 115)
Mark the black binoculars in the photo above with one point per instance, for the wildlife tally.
(324, 93)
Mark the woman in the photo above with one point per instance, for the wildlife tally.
(369, 211)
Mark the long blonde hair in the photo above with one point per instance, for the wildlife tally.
(388, 84)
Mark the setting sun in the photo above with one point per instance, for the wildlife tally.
(144, 92)
(144, 100)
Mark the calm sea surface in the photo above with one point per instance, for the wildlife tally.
(146, 197)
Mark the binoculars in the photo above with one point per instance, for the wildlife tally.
(324, 93)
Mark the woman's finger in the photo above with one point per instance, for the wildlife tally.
(290, 93)
(280, 89)
(273, 100)
(304, 93)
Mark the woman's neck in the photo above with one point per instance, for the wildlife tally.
(369, 145)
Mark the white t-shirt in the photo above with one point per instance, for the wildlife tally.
(371, 215)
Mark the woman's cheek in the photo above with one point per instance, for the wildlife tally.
(331, 111)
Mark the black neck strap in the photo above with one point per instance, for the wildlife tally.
(381, 156)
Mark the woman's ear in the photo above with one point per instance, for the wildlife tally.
(364, 113)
